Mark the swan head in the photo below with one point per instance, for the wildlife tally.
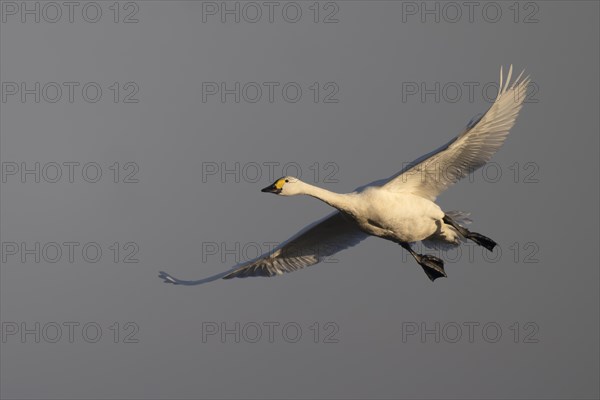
(285, 186)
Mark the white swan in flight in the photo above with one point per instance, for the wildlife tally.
(401, 208)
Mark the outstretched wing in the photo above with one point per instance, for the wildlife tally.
(310, 246)
(433, 173)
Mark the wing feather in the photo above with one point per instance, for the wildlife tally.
(310, 246)
(433, 173)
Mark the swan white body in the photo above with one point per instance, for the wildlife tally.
(378, 211)
(401, 208)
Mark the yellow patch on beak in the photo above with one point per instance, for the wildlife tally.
(279, 184)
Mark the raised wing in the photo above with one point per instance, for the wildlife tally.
(433, 173)
(310, 246)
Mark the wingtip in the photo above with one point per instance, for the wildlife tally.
(506, 84)
(167, 278)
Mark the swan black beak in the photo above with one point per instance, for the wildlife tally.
(271, 189)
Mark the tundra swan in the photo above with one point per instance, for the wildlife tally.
(401, 209)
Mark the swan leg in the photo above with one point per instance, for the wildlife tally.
(474, 236)
(433, 266)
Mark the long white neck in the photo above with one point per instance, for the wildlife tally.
(343, 202)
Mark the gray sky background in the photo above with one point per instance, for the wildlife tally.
(371, 304)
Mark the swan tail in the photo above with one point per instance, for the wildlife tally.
(460, 217)
(447, 236)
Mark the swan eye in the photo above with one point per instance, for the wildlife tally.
(287, 181)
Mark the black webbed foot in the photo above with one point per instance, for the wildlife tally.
(482, 240)
(433, 266)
